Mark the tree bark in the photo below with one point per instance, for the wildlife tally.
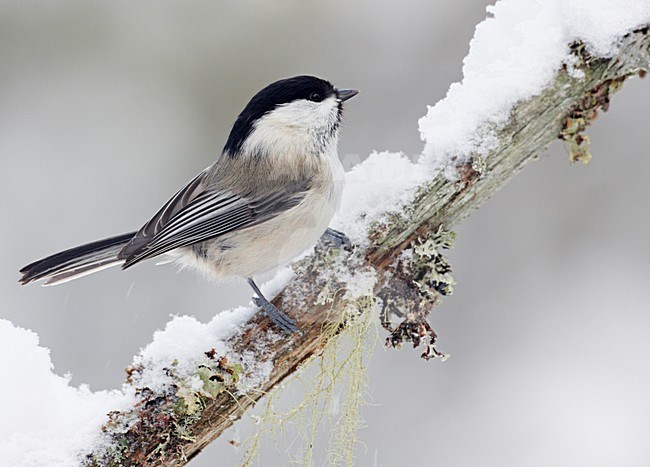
(159, 433)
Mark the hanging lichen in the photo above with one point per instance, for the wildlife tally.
(336, 392)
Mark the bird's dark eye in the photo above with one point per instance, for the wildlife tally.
(316, 97)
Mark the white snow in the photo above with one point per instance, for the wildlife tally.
(185, 340)
(380, 184)
(44, 420)
(513, 55)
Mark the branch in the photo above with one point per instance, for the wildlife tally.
(401, 265)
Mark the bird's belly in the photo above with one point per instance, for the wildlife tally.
(265, 246)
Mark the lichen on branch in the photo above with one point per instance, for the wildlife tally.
(402, 267)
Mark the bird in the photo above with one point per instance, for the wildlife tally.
(268, 197)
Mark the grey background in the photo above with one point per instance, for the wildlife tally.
(109, 107)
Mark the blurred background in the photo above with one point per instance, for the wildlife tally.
(110, 107)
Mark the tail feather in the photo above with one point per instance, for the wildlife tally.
(76, 262)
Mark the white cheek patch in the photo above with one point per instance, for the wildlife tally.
(294, 126)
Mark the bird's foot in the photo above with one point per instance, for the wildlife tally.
(279, 318)
(337, 238)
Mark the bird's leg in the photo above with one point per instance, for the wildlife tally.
(279, 318)
(337, 238)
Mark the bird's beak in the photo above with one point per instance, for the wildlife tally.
(345, 94)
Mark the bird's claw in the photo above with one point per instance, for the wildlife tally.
(338, 238)
(277, 316)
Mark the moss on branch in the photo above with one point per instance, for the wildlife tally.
(171, 427)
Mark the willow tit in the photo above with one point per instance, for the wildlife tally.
(268, 197)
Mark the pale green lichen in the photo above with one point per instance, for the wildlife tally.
(421, 275)
(586, 109)
(341, 370)
(215, 378)
(325, 296)
(432, 272)
(479, 164)
(168, 415)
(344, 439)
(579, 143)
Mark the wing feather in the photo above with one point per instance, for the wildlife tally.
(198, 213)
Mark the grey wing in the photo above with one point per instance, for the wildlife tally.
(197, 213)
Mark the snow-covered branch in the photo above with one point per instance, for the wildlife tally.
(537, 71)
(396, 261)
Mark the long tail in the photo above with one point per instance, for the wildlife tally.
(76, 262)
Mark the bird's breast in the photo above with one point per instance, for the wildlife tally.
(262, 247)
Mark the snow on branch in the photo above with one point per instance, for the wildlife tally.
(397, 259)
(536, 72)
